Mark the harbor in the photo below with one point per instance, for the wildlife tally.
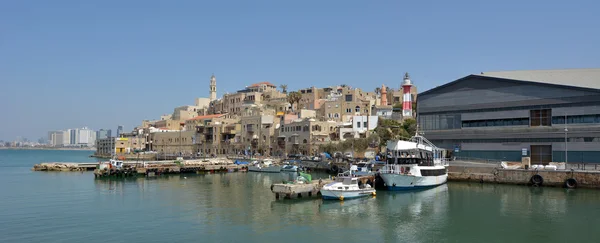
(282, 199)
(578, 175)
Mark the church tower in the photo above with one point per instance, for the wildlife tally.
(213, 88)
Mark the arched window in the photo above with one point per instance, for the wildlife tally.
(357, 108)
(304, 141)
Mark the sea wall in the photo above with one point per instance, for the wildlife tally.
(587, 179)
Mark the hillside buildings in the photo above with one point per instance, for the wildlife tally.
(259, 119)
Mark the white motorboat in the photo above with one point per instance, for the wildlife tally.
(413, 164)
(289, 168)
(346, 186)
(361, 169)
(265, 165)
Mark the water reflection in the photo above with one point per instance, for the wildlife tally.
(217, 203)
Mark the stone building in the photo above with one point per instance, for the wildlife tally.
(305, 135)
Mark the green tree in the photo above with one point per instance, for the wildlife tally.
(377, 90)
(330, 148)
(374, 140)
(410, 126)
(294, 98)
(283, 88)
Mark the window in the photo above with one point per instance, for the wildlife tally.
(349, 98)
(357, 109)
(441, 122)
(579, 119)
(348, 110)
(358, 124)
(541, 117)
(497, 122)
(365, 124)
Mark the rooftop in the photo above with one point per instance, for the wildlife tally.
(261, 83)
(206, 117)
(582, 78)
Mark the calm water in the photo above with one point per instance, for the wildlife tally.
(239, 207)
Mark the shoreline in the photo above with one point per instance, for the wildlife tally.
(41, 148)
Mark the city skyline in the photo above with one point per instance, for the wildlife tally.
(135, 65)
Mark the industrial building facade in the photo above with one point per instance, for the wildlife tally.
(508, 115)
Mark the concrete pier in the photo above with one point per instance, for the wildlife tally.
(64, 166)
(552, 178)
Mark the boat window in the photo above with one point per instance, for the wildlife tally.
(434, 172)
(347, 188)
(339, 188)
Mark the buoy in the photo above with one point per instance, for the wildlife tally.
(374, 194)
(341, 198)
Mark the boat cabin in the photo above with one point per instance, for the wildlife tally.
(412, 156)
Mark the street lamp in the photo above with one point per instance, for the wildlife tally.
(566, 142)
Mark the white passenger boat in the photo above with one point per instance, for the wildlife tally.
(265, 165)
(413, 164)
(346, 186)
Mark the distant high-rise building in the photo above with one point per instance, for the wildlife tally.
(56, 138)
(86, 136)
(72, 137)
(102, 134)
(119, 130)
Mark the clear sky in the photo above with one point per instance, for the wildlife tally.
(66, 64)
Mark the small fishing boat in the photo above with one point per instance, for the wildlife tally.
(265, 165)
(346, 186)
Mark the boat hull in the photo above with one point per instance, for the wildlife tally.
(270, 169)
(336, 195)
(398, 182)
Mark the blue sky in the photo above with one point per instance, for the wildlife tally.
(99, 64)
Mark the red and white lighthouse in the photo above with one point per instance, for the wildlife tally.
(407, 98)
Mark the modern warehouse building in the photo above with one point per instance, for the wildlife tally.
(511, 114)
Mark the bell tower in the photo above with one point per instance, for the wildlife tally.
(213, 88)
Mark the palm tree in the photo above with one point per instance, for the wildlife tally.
(294, 97)
(343, 85)
(283, 88)
(377, 90)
